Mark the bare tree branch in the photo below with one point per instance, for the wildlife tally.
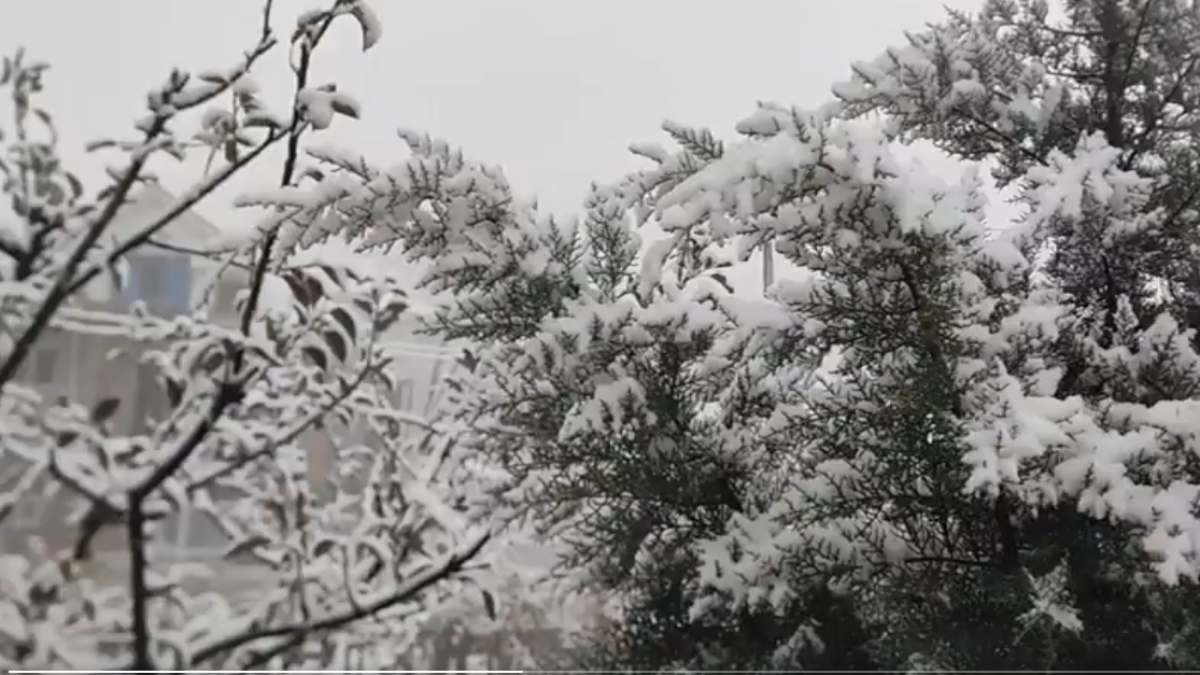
(449, 565)
(295, 433)
(144, 236)
(64, 285)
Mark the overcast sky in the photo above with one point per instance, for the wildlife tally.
(552, 90)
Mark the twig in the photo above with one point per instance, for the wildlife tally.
(289, 169)
(450, 565)
(287, 438)
(57, 472)
(147, 233)
(63, 285)
(11, 250)
(265, 657)
(230, 389)
(59, 291)
(934, 560)
(1005, 138)
(137, 584)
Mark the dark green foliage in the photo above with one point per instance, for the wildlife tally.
(857, 484)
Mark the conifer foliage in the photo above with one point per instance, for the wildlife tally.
(974, 439)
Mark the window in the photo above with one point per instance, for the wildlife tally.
(164, 283)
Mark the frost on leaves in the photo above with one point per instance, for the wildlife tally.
(240, 405)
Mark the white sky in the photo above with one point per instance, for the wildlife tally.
(552, 90)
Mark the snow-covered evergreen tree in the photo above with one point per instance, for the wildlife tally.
(976, 433)
(990, 444)
(1091, 119)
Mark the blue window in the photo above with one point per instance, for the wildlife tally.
(164, 283)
